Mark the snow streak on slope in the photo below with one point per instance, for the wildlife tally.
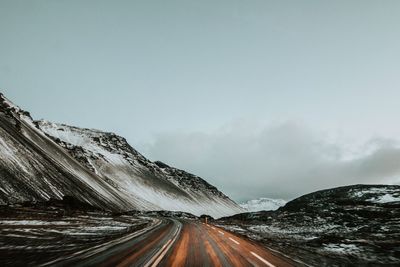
(116, 162)
(263, 204)
(34, 168)
(52, 160)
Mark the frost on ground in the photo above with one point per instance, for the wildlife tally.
(347, 226)
(33, 236)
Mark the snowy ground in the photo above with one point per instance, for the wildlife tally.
(29, 236)
(347, 226)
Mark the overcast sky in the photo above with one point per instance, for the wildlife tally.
(261, 98)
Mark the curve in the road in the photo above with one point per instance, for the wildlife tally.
(182, 243)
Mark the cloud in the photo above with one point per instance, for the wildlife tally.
(247, 160)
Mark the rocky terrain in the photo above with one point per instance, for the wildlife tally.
(347, 226)
(40, 160)
(47, 232)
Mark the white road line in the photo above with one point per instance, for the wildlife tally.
(234, 241)
(221, 233)
(155, 260)
(213, 227)
(263, 260)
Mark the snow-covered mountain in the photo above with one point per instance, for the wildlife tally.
(40, 160)
(262, 204)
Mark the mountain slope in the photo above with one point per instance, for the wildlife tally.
(48, 160)
(34, 168)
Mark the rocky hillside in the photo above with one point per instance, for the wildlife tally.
(40, 160)
(352, 225)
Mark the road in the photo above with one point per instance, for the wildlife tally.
(172, 242)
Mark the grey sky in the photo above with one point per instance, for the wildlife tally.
(166, 73)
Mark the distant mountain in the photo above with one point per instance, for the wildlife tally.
(356, 225)
(263, 204)
(40, 160)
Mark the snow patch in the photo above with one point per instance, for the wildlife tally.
(386, 198)
(379, 195)
(31, 222)
(263, 204)
(342, 248)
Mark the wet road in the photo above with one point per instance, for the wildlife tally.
(180, 243)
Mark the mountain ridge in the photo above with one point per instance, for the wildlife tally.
(102, 164)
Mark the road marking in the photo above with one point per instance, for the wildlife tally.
(234, 241)
(155, 260)
(263, 260)
(221, 233)
(213, 227)
(160, 254)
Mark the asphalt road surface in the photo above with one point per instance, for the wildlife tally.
(171, 242)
